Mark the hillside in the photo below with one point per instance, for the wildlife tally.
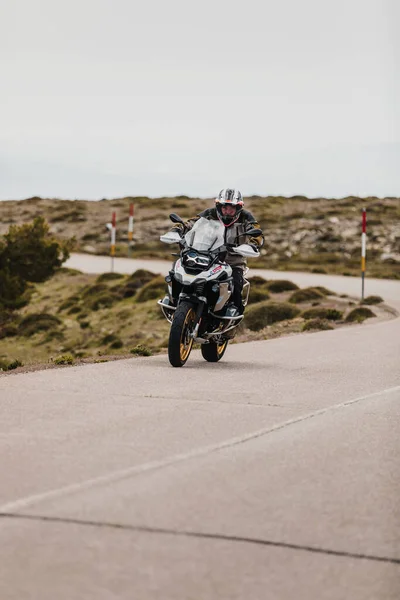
(319, 235)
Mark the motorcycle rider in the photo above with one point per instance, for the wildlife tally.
(229, 210)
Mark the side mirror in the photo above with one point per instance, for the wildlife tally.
(176, 218)
(254, 232)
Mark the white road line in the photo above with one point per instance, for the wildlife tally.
(153, 465)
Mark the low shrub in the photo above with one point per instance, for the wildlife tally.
(316, 324)
(64, 359)
(372, 300)
(358, 315)
(257, 294)
(103, 300)
(141, 350)
(8, 331)
(36, 322)
(84, 324)
(74, 310)
(94, 290)
(281, 285)
(265, 313)
(116, 344)
(324, 290)
(69, 302)
(6, 365)
(109, 338)
(257, 281)
(152, 290)
(108, 277)
(305, 295)
(331, 314)
(141, 276)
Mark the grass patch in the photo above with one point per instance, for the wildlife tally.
(281, 285)
(36, 322)
(10, 365)
(317, 324)
(265, 313)
(152, 290)
(306, 295)
(108, 277)
(258, 294)
(372, 300)
(64, 359)
(141, 350)
(358, 315)
(331, 314)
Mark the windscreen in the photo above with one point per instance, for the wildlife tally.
(205, 235)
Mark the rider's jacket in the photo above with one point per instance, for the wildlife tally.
(235, 234)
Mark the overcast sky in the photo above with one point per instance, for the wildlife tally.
(107, 98)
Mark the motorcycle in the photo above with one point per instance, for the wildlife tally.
(199, 286)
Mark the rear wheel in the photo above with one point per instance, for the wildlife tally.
(180, 341)
(213, 352)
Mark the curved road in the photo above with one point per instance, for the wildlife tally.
(272, 475)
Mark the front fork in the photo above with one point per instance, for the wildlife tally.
(201, 302)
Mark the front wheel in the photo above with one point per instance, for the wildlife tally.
(180, 340)
(213, 352)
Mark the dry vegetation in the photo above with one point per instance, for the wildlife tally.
(75, 317)
(319, 235)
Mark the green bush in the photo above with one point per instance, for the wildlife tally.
(141, 350)
(257, 281)
(324, 290)
(152, 290)
(108, 277)
(116, 344)
(70, 301)
(372, 300)
(64, 359)
(36, 322)
(305, 295)
(104, 300)
(257, 294)
(84, 324)
(281, 285)
(74, 310)
(141, 276)
(6, 365)
(112, 340)
(94, 290)
(322, 313)
(358, 315)
(31, 253)
(265, 313)
(317, 323)
(8, 331)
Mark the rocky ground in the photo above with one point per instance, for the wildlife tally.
(319, 235)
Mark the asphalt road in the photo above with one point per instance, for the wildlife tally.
(271, 475)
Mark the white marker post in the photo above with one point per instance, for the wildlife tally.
(363, 250)
(113, 238)
(130, 229)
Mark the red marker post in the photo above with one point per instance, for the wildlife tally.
(130, 228)
(363, 249)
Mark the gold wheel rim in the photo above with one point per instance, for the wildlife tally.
(186, 341)
(221, 348)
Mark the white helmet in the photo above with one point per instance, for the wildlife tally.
(231, 197)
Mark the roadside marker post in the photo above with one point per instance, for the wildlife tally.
(363, 250)
(130, 228)
(113, 239)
